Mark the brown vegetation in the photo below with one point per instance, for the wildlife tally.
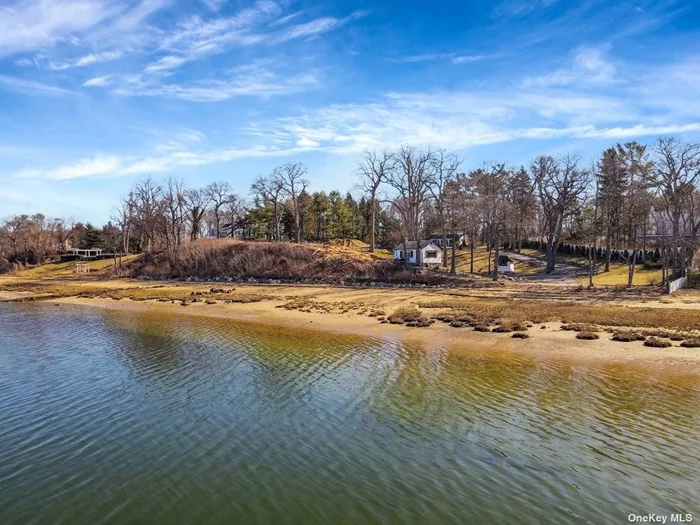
(209, 258)
(655, 342)
(572, 313)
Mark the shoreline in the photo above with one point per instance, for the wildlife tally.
(548, 343)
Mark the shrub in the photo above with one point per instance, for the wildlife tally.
(481, 328)
(410, 316)
(587, 335)
(627, 337)
(693, 342)
(456, 324)
(520, 335)
(657, 343)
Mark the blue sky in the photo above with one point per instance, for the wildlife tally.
(96, 93)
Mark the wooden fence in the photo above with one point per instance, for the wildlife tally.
(674, 286)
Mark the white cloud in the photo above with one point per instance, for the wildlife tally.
(96, 166)
(98, 81)
(167, 62)
(433, 57)
(27, 25)
(87, 60)
(589, 67)
(31, 86)
(253, 81)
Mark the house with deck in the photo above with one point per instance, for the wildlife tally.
(431, 253)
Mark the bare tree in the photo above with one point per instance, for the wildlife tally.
(291, 175)
(491, 185)
(373, 171)
(677, 175)
(174, 206)
(412, 177)
(444, 167)
(148, 210)
(123, 217)
(219, 194)
(196, 205)
(561, 185)
(270, 191)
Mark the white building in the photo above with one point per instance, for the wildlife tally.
(505, 264)
(459, 240)
(431, 253)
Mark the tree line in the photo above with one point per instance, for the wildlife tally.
(633, 200)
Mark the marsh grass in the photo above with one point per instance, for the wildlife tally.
(655, 342)
(571, 313)
(588, 336)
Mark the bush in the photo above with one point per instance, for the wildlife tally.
(657, 343)
(481, 328)
(587, 335)
(693, 342)
(520, 335)
(627, 337)
(410, 316)
(5, 265)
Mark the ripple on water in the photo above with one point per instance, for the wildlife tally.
(124, 417)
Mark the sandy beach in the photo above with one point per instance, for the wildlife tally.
(344, 309)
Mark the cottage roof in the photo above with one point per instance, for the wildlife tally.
(411, 245)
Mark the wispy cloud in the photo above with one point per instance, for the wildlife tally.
(98, 81)
(432, 57)
(197, 39)
(29, 87)
(92, 167)
(589, 67)
(27, 25)
(253, 80)
(86, 60)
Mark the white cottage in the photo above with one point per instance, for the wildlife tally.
(431, 253)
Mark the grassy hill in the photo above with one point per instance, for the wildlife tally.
(66, 269)
(617, 276)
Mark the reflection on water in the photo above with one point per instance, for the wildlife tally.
(121, 417)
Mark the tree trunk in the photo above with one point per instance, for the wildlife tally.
(551, 255)
(372, 228)
(590, 266)
(471, 255)
(630, 270)
(495, 261)
(453, 266)
(444, 246)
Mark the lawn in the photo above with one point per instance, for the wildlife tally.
(617, 276)
(63, 269)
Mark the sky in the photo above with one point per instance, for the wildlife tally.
(95, 94)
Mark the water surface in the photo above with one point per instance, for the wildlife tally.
(123, 417)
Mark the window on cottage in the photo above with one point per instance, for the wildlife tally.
(431, 254)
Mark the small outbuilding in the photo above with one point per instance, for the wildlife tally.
(505, 264)
(431, 253)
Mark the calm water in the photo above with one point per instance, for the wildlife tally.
(113, 417)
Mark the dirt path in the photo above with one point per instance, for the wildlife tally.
(562, 272)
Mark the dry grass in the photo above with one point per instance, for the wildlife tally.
(161, 293)
(567, 312)
(66, 269)
(280, 260)
(655, 342)
(627, 337)
(410, 316)
(693, 342)
(588, 336)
